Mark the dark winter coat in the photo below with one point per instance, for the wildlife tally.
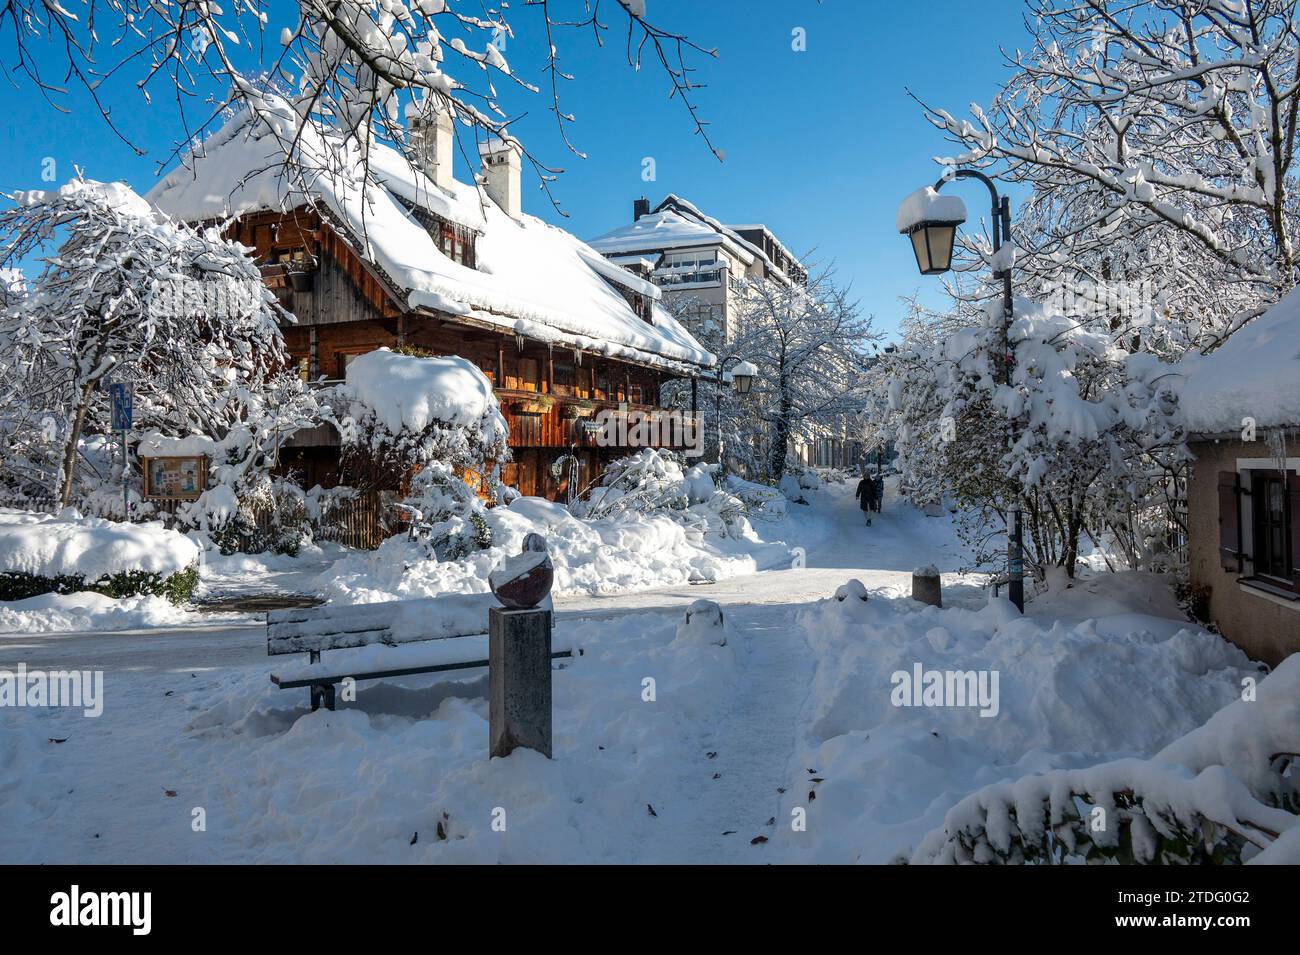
(866, 493)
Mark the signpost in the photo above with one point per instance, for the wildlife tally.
(123, 397)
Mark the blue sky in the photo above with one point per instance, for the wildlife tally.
(820, 145)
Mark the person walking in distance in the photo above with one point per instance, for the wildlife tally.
(866, 495)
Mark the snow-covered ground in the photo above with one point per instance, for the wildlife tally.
(712, 769)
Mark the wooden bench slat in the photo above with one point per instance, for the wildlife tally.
(409, 671)
(391, 623)
(389, 639)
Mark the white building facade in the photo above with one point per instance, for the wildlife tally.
(701, 265)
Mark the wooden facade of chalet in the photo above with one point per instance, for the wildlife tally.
(346, 308)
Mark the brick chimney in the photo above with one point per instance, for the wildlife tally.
(433, 139)
(501, 165)
(640, 207)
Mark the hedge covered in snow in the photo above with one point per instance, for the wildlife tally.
(66, 553)
(1227, 792)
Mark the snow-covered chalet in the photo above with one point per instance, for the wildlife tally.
(412, 258)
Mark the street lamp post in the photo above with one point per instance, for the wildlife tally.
(742, 379)
(933, 235)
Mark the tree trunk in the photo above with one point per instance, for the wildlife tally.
(780, 436)
(74, 438)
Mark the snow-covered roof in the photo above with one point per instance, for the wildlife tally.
(157, 445)
(729, 231)
(532, 279)
(1255, 374)
(678, 223)
(664, 230)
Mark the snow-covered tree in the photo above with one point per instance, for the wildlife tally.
(808, 342)
(1082, 434)
(1158, 140)
(179, 314)
(401, 411)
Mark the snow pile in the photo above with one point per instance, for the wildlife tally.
(649, 524)
(1255, 373)
(1062, 692)
(705, 624)
(632, 551)
(68, 544)
(87, 611)
(926, 205)
(409, 393)
(1213, 790)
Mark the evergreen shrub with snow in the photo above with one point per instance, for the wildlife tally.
(1227, 792)
(400, 413)
(67, 553)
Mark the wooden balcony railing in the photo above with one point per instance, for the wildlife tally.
(551, 421)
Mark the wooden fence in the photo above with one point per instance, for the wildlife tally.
(361, 520)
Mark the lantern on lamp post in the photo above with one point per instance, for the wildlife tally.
(742, 380)
(930, 220)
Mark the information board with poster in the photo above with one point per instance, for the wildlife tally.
(175, 477)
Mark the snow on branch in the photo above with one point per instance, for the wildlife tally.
(354, 64)
(1158, 140)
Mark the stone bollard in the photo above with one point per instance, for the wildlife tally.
(519, 652)
(925, 586)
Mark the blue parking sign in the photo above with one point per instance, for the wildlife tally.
(123, 396)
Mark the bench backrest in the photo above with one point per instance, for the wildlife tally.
(390, 623)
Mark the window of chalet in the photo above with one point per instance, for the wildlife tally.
(296, 256)
(1268, 495)
(1273, 520)
(453, 240)
(345, 359)
(564, 376)
(529, 379)
(602, 383)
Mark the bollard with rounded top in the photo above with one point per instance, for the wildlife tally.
(925, 586)
(519, 652)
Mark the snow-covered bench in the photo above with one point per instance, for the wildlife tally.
(374, 641)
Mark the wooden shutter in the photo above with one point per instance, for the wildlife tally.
(1230, 521)
(1293, 524)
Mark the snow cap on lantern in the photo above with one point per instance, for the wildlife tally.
(742, 376)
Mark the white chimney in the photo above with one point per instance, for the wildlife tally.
(501, 165)
(433, 139)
